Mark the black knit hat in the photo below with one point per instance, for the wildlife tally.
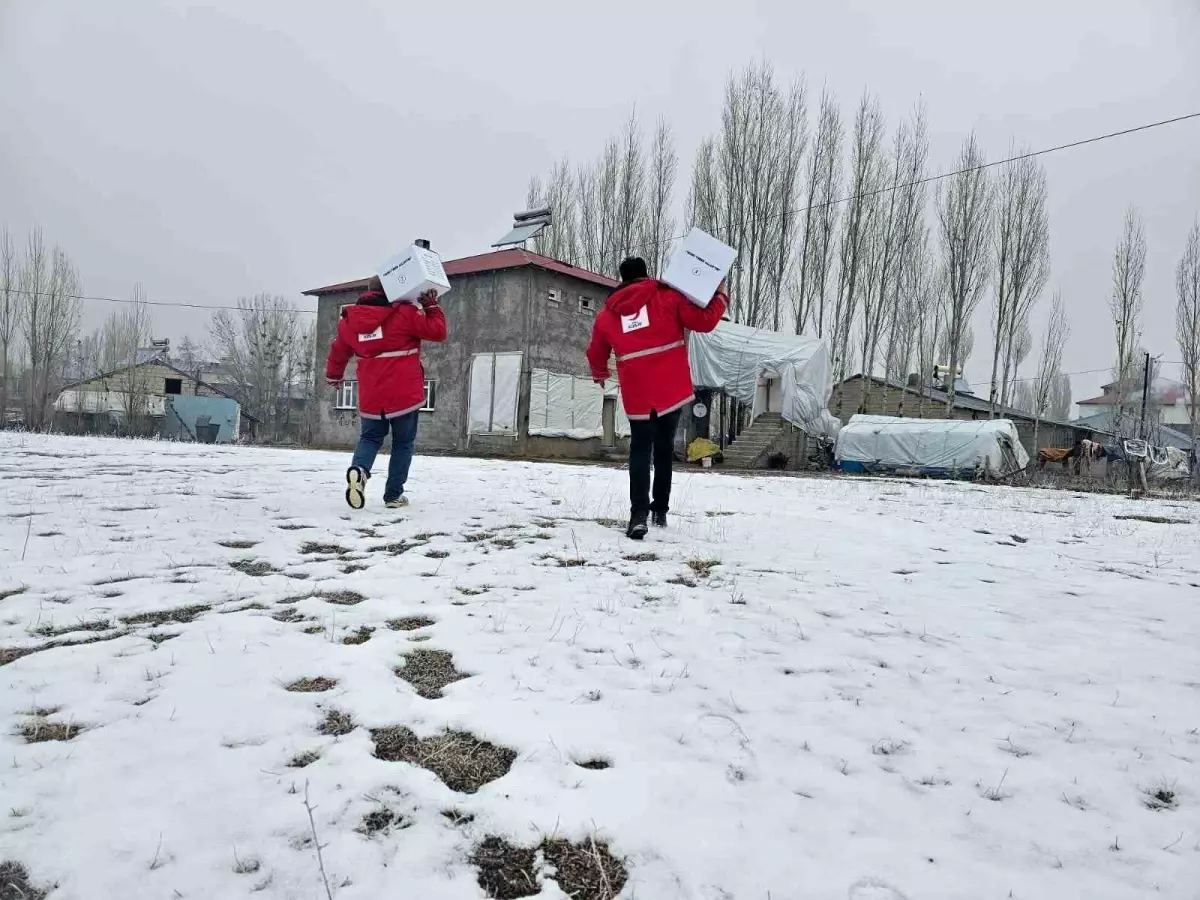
(633, 268)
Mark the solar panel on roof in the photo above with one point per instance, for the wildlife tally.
(521, 233)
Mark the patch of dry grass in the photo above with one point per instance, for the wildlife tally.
(312, 685)
(359, 637)
(336, 723)
(429, 671)
(462, 761)
(305, 759)
(506, 872)
(15, 883)
(238, 545)
(94, 625)
(381, 819)
(410, 623)
(702, 567)
(339, 598)
(316, 548)
(39, 731)
(1155, 520)
(586, 870)
(255, 568)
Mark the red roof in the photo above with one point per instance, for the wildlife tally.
(512, 258)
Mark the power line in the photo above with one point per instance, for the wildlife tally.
(929, 179)
(308, 312)
(1095, 139)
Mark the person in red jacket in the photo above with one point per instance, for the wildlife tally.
(643, 324)
(386, 338)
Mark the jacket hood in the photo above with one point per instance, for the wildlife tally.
(369, 312)
(631, 297)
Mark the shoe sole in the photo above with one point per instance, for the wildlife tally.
(356, 497)
(636, 534)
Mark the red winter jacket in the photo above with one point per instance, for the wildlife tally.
(386, 338)
(643, 324)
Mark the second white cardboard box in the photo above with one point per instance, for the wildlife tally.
(412, 272)
(699, 266)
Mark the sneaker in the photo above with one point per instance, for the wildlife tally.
(356, 487)
(399, 503)
(658, 519)
(637, 527)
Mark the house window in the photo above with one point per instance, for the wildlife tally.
(554, 295)
(174, 386)
(430, 395)
(587, 305)
(347, 396)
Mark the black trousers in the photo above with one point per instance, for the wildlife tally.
(651, 438)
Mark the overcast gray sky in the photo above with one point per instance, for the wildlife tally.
(214, 150)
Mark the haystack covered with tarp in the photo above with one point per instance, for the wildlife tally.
(952, 448)
(734, 357)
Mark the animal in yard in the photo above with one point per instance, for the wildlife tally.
(1089, 452)
(1062, 455)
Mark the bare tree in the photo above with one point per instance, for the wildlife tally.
(745, 186)
(189, 357)
(903, 209)
(1047, 384)
(51, 288)
(658, 223)
(1187, 319)
(964, 214)
(256, 344)
(127, 331)
(1022, 256)
(823, 178)
(1060, 398)
(561, 239)
(631, 192)
(929, 309)
(12, 306)
(1129, 269)
(857, 232)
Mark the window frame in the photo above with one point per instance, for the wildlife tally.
(348, 386)
(587, 305)
(429, 404)
(167, 382)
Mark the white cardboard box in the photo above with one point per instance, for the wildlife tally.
(412, 272)
(698, 266)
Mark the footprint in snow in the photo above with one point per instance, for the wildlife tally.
(874, 889)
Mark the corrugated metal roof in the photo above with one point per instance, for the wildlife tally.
(494, 261)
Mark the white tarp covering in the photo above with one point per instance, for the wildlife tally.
(734, 357)
(989, 447)
(567, 406)
(1167, 464)
(492, 405)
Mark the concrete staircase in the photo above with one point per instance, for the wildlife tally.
(753, 444)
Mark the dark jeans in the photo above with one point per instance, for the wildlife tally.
(371, 438)
(651, 437)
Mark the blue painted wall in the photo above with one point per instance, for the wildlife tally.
(182, 411)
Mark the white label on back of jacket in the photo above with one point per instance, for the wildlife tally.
(376, 335)
(636, 322)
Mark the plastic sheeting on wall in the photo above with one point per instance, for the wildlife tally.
(990, 447)
(495, 383)
(567, 406)
(733, 357)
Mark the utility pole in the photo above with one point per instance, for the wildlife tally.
(1145, 396)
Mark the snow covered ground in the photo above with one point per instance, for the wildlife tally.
(806, 688)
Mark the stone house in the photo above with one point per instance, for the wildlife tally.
(141, 399)
(518, 329)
